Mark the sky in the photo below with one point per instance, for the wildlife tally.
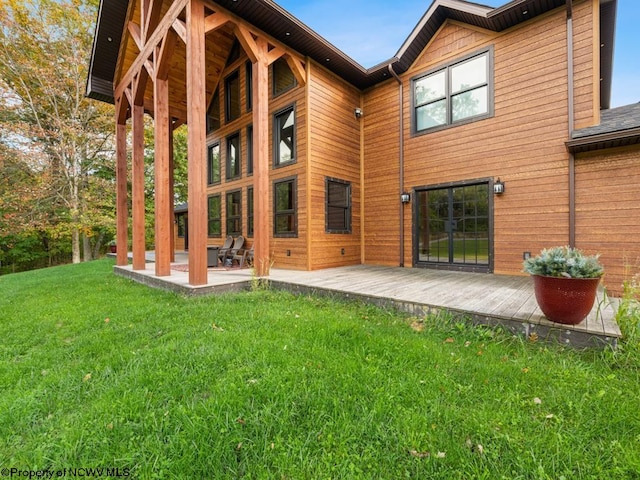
(371, 31)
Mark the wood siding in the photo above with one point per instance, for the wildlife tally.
(608, 209)
(523, 143)
(335, 153)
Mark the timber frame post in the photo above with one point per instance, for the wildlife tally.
(196, 142)
(122, 213)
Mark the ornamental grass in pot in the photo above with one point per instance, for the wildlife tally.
(565, 283)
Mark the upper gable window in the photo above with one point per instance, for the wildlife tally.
(232, 96)
(457, 93)
(283, 78)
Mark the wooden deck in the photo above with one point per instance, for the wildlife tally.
(502, 300)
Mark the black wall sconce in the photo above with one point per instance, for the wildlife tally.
(498, 187)
(405, 197)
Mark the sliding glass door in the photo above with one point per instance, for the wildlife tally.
(454, 226)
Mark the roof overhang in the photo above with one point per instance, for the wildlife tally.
(272, 19)
(605, 140)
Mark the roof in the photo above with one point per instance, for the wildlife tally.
(269, 17)
(618, 127)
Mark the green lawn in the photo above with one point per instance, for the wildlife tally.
(96, 371)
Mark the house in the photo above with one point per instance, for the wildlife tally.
(486, 138)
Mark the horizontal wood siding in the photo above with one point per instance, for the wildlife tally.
(335, 153)
(523, 143)
(583, 57)
(608, 212)
(381, 180)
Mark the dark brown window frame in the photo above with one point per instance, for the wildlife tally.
(211, 219)
(286, 212)
(237, 173)
(346, 209)
(230, 115)
(277, 132)
(230, 219)
(489, 52)
(281, 63)
(211, 178)
(250, 212)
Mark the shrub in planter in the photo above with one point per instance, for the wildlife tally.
(565, 283)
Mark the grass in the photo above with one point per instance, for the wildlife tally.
(96, 371)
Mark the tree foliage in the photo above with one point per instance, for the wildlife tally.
(56, 146)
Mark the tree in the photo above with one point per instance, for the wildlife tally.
(62, 139)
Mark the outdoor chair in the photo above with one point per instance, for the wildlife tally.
(242, 256)
(228, 254)
(222, 251)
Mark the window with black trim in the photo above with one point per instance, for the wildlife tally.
(232, 96)
(233, 157)
(283, 78)
(337, 206)
(214, 216)
(234, 213)
(250, 212)
(249, 85)
(284, 208)
(213, 164)
(213, 113)
(455, 93)
(250, 150)
(181, 222)
(284, 136)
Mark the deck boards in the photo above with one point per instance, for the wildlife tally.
(503, 300)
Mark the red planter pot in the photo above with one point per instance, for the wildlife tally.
(565, 300)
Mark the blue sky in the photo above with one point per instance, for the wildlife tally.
(371, 31)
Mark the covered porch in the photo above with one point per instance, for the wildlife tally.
(507, 301)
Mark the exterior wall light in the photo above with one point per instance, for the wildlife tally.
(498, 187)
(405, 197)
(358, 112)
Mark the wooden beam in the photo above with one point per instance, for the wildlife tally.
(248, 43)
(215, 21)
(156, 37)
(153, 16)
(122, 214)
(121, 107)
(135, 34)
(164, 54)
(196, 143)
(137, 188)
(139, 87)
(297, 69)
(181, 29)
(261, 235)
(172, 194)
(274, 54)
(162, 200)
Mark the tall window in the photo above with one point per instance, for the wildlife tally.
(284, 210)
(283, 78)
(213, 164)
(250, 150)
(284, 137)
(338, 206)
(249, 78)
(455, 93)
(214, 216)
(233, 157)
(234, 213)
(232, 96)
(250, 212)
(213, 113)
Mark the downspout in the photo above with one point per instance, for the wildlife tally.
(572, 161)
(401, 160)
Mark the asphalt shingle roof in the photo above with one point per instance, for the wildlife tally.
(612, 121)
